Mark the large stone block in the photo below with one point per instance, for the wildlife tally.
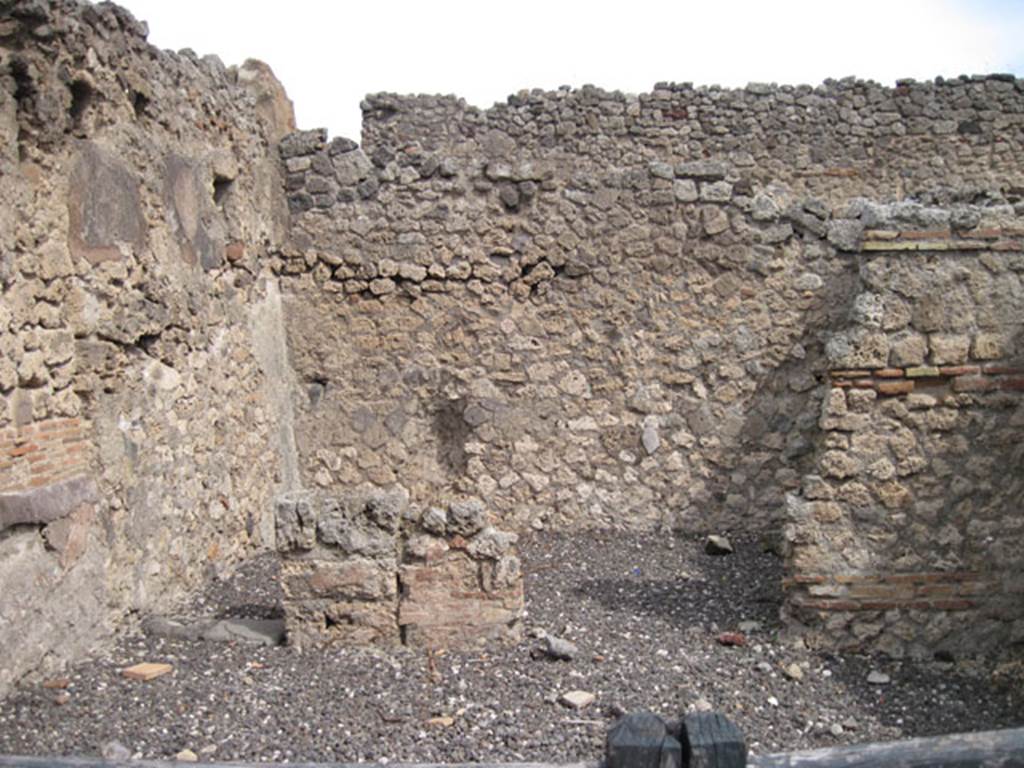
(104, 206)
(355, 579)
(46, 504)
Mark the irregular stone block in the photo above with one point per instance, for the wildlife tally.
(46, 504)
(467, 517)
(355, 579)
(104, 206)
(296, 523)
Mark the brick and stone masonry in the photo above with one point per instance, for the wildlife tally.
(368, 569)
(786, 309)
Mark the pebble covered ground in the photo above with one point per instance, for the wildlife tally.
(645, 613)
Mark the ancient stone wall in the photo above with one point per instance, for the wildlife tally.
(580, 308)
(591, 309)
(138, 445)
(907, 537)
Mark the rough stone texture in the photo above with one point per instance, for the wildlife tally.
(366, 569)
(140, 197)
(696, 308)
(906, 537)
(611, 310)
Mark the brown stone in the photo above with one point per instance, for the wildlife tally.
(104, 206)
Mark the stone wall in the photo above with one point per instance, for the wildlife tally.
(908, 536)
(592, 309)
(138, 446)
(679, 309)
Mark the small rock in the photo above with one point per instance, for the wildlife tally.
(62, 698)
(773, 701)
(718, 545)
(115, 750)
(558, 648)
(616, 710)
(57, 683)
(878, 678)
(763, 666)
(750, 626)
(187, 756)
(850, 724)
(835, 729)
(577, 699)
(794, 672)
(442, 722)
(731, 639)
(701, 705)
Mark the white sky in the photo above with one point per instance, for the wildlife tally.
(330, 53)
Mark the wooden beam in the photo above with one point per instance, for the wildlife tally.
(995, 749)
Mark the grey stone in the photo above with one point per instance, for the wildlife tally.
(685, 190)
(705, 170)
(351, 167)
(577, 699)
(269, 632)
(466, 517)
(661, 170)
(650, 439)
(435, 520)
(115, 751)
(718, 545)
(491, 544)
(341, 145)
(46, 504)
(296, 522)
(558, 648)
(845, 234)
(878, 678)
(302, 143)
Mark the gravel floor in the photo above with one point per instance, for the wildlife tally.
(644, 611)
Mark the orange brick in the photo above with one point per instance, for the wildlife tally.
(1001, 369)
(924, 234)
(900, 387)
(991, 233)
(959, 370)
(864, 383)
(857, 578)
(889, 373)
(22, 450)
(849, 374)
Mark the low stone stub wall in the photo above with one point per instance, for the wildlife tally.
(368, 569)
(907, 538)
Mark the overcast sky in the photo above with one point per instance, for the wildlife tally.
(330, 53)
